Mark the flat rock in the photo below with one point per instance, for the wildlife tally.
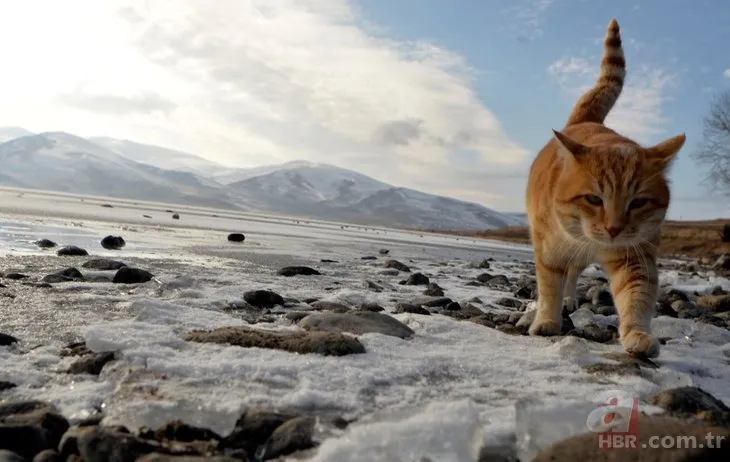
(160, 457)
(98, 444)
(15, 276)
(434, 290)
(91, 363)
(373, 285)
(335, 307)
(298, 271)
(103, 264)
(484, 277)
(498, 281)
(410, 308)
(396, 265)
(716, 303)
(324, 343)
(584, 447)
(432, 302)
(508, 302)
(177, 430)
(357, 322)
(594, 333)
(65, 275)
(417, 279)
(29, 427)
(253, 428)
(293, 435)
(693, 403)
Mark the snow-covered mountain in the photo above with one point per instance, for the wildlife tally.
(61, 161)
(334, 193)
(160, 157)
(298, 183)
(9, 133)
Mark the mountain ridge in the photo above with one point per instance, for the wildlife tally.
(62, 161)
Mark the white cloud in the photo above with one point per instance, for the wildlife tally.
(638, 113)
(248, 82)
(529, 16)
(726, 73)
(567, 69)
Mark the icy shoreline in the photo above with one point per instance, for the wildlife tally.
(443, 392)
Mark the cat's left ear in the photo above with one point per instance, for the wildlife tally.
(664, 153)
(568, 147)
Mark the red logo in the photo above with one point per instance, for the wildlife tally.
(616, 420)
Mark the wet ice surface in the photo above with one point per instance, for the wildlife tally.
(442, 394)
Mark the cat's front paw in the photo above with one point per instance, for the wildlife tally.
(640, 344)
(544, 327)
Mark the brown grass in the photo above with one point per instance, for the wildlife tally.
(679, 238)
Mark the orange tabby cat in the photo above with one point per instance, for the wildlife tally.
(596, 196)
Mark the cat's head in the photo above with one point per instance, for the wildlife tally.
(615, 194)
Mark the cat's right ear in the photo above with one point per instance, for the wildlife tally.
(567, 147)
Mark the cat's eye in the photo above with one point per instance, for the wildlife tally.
(638, 203)
(593, 199)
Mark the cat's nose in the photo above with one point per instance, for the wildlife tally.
(613, 231)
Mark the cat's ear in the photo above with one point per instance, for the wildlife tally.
(664, 153)
(568, 147)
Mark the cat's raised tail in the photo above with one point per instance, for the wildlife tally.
(597, 102)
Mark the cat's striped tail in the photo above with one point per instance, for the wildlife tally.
(597, 102)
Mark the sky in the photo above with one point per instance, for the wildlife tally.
(451, 97)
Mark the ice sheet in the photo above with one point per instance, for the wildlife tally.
(441, 394)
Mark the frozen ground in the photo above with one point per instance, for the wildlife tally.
(442, 393)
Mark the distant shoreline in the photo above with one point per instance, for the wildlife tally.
(684, 239)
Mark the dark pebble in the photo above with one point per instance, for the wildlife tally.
(5, 385)
(7, 339)
(128, 275)
(236, 237)
(263, 298)
(113, 242)
(433, 290)
(72, 251)
(45, 243)
(15, 276)
(91, 364)
(417, 279)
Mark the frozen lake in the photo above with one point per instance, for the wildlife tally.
(442, 392)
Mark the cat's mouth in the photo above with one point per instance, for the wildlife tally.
(628, 240)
